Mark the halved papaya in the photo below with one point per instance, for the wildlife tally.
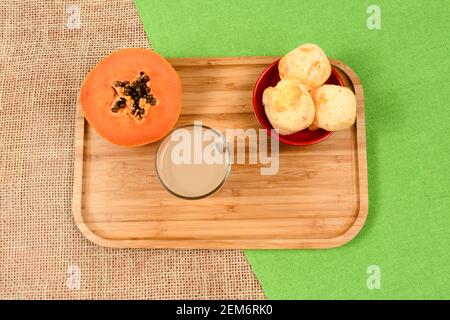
(132, 97)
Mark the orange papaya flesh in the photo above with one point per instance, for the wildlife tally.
(132, 97)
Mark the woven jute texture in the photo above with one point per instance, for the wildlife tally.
(42, 253)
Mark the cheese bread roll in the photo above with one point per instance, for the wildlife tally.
(288, 106)
(335, 108)
(306, 63)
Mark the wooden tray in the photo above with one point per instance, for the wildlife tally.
(318, 199)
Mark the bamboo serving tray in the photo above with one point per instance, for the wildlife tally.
(318, 199)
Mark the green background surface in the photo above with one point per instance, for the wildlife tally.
(404, 67)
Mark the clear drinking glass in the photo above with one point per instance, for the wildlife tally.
(193, 161)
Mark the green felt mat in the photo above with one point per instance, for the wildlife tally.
(404, 67)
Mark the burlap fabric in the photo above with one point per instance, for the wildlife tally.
(42, 66)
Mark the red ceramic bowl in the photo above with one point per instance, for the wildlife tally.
(270, 78)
